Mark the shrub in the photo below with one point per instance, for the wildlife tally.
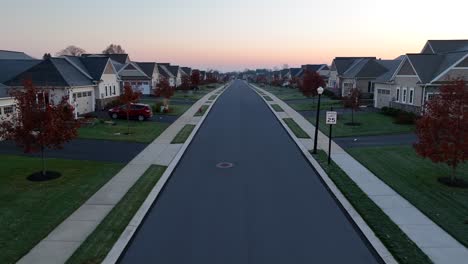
(388, 111)
(157, 107)
(114, 103)
(405, 118)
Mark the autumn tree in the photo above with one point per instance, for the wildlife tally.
(166, 91)
(352, 101)
(128, 97)
(46, 56)
(443, 129)
(114, 49)
(71, 51)
(186, 83)
(39, 124)
(310, 83)
(195, 78)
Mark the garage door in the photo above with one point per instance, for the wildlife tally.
(83, 102)
(383, 98)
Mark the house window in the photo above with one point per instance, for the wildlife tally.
(398, 94)
(139, 83)
(8, 110)
(113, 87)
(411, 95)
(106, 91)
(89, 93)
(429, 96)
(79, 95)
(404, 95)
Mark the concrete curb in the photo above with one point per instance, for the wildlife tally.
(379, 247)
(120, 245)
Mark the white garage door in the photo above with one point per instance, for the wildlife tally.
(83, 102)
(383, 98)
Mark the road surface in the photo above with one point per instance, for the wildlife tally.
(269, 208)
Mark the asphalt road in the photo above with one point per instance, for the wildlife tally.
(269, 208)
(85, 149)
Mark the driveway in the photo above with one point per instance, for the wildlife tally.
(85, 149)
(271, 207)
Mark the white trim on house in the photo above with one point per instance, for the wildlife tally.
(411, 96)
(428, 43)
(404, 96)
(449, 68)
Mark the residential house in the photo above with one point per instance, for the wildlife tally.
(186, 71)
(11, 64)
(176, 73)
(166, 73)
(202, 76)
(322, 69)
(132, 75)
(103, 74)
(59, 78)
(339, 66)
(286, 76)
(151, 69)
(419, 76)
(296, 76)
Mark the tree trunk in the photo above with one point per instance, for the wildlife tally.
(43, 161)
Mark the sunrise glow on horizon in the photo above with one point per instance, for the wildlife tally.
(232, 35)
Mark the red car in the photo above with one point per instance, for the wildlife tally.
(137, 111)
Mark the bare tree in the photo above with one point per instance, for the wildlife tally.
(285, 66)
(114, 49)
(71, 51)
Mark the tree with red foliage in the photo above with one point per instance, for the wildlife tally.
(195, 78)
(128, 97)
(166, 91)
(310, 83)
(353, 101)
(186, 83)
(38, 123)
(443, 129)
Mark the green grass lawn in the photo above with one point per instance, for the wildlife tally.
(277, 108)
(195, 95)
(203, 110)
(268, 98)
(175, 110)
(296, 129)
(371, 124)
(183, 134)
(144, 131)
(416, 180)
(31, 210)
(312, 106)
(96, 247)
(402, 248)
(213, 97)
(285, 93)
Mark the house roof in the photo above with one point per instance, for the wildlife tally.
(342, 64)
(392, 66)
(164, 71)
(186, 70)
(314, 67)
(14, 55)
(296, 72)
(133, 71)
(173, 69)
(147, 67)
(429, 66)
(52, 72)
(11, 68)
(120, 58)
(445, 46)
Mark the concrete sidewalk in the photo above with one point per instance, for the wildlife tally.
(438, 245)
(62, 242)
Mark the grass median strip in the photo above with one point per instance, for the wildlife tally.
(183, 134)
(277, 108)
(402, 248)
(213, 97)
(296, 129)
(202, 110)
(31, 210)
(268, 98)
(96, 247)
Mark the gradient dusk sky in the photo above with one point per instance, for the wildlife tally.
(232, 35)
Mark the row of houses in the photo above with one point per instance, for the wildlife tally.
(406, 82)
(91, 80)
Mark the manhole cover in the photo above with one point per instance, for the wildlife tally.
(225, 165)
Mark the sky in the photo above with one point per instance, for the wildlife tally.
(232, 35)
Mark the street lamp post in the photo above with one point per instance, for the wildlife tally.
(320, 92)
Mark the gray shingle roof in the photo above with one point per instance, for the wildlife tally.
(187, 70)
(11, 68)
(342, 64)
(95, 66)
(147, 67)
(120, 58)
(296, 72)
(14, 55)
(164, 71)
(52, 72)
(445, 46)
(429, 66)
(392, 66)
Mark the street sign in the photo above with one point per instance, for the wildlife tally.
(331, 117)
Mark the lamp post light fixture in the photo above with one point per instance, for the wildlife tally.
(319, 92)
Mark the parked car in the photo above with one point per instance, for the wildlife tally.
(137, 111)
